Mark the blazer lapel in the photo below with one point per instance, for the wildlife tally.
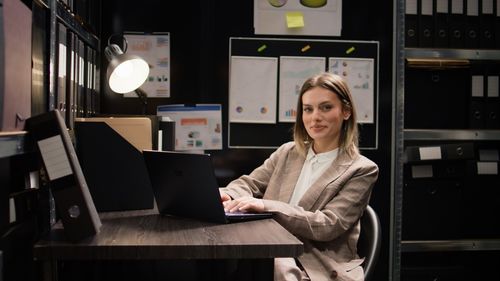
(292, 173)
(338, 167)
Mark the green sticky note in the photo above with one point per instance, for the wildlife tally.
(294, 19)
(350, 50)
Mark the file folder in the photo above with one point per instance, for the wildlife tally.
(487, 25)
(74, 203)
(441, 26)
(457, 23)
(110, 153)
(411, 23)
(472, 24)
(426, 24)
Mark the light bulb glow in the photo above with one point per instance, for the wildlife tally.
(124, 70)
(129, 75)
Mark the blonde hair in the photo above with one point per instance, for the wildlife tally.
(349, 135)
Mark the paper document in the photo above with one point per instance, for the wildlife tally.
(55, 158)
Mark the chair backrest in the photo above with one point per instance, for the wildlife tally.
(369, 240)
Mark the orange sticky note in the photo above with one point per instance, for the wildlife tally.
(294, 19)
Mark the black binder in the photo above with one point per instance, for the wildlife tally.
(62, 66)
(476, 99)
(492, 101)
(480, 206)
(432, 209)
(458, 151)
(487, 25)
(71, 82)
(457, 24)
(80, 91)
(442, 169)
(426, 24)
(441, 25)
(41, 100)
(446, 151)
(411, 23)
(440, 86)
(431, 271)
(472, 24)
(73, 201)
(497, 23)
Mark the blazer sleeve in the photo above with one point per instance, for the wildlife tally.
(345, 200)
(256, 182)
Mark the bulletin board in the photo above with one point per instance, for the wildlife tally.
(265, 75)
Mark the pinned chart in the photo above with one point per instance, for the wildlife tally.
(266, 75)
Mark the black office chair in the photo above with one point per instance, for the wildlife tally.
(369, 241)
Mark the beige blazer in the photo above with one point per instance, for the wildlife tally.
(327, 217)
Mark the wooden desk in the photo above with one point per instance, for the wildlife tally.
(143, 236)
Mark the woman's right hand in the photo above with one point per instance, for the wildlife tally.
(224, 196)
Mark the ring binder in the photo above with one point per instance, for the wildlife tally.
(73, 200)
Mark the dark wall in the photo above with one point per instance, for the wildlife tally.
(200, 31)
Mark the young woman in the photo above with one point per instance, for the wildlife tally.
(318, 185)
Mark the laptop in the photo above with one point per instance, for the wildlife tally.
(184, 185)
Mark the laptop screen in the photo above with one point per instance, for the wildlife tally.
(185, 185)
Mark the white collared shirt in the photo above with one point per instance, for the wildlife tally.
(313, 168)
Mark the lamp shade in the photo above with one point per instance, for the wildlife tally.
(125, 72)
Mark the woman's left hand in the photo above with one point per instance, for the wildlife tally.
(244, 204)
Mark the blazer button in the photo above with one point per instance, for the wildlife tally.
(334, 274)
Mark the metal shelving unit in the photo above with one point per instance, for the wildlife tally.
(420, 134)
(12, 143)
(398, 146)
(452, 53)
(450, 245)
(399, 247)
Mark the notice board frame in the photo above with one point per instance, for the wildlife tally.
(271, 136)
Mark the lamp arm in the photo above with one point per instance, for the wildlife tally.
(143, 96)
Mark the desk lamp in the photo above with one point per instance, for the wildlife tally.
(126, 73)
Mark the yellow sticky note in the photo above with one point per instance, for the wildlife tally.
(294, 19)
